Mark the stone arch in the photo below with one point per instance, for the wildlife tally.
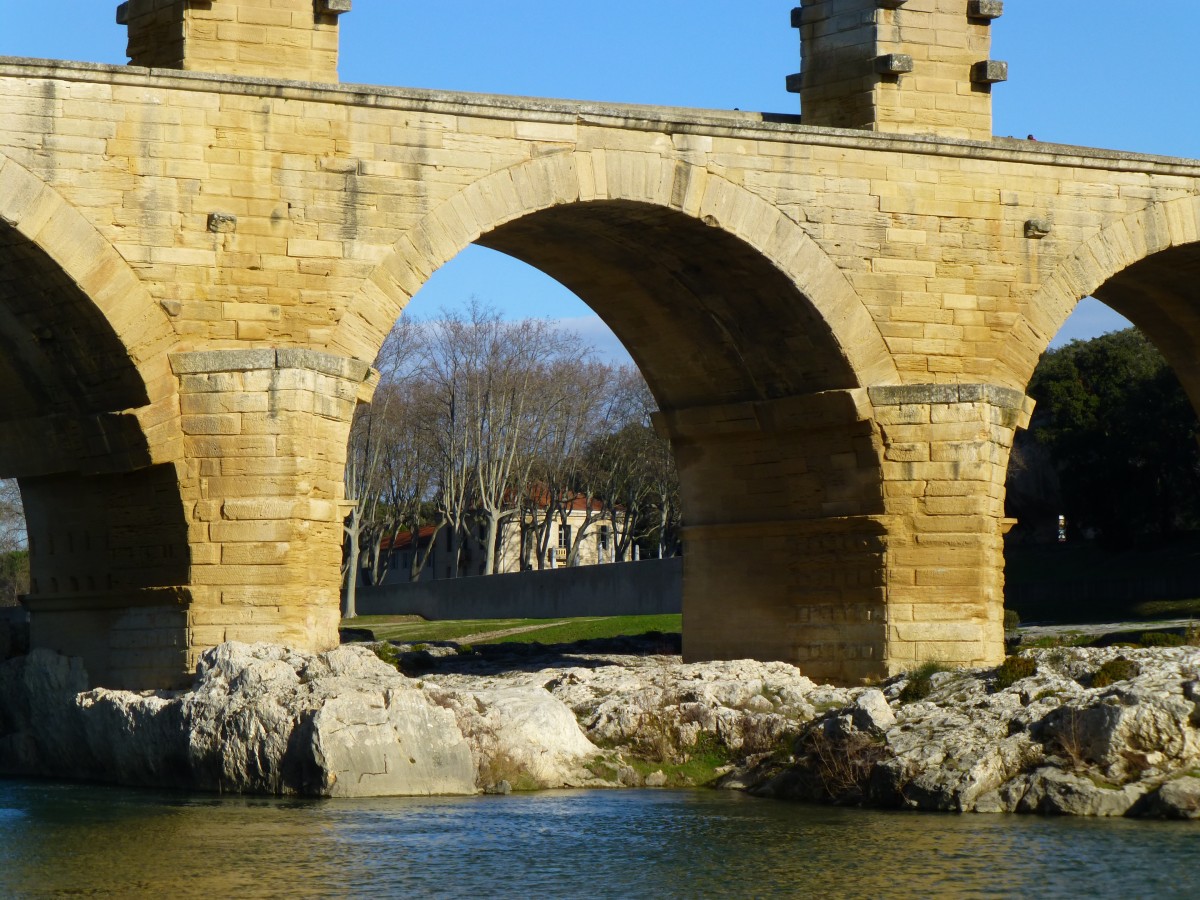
(1146, 266)
(597, 195)
(90, 427)
(757, 349)
(33, 210)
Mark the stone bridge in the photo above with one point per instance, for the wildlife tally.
(201, 254)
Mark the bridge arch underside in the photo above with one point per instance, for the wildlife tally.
(1160, 294)
(107, 536)
(779, 463)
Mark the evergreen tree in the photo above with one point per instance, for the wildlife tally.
(1121, 435)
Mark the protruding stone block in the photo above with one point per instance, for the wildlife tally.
(985, 9)
(894, 64)
(989, 71)
(846, 42)
(295, 39)
(793, 83)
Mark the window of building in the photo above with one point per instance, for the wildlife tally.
(603, 538)
(564, 537)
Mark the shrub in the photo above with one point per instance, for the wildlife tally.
(1118, 669)
(841, 765)
(410, 663)
(1061, 640)
(1161, 639)
(920, 682)
(388, 653)
(1012, 621)
(1012, 670)
(1068, 739)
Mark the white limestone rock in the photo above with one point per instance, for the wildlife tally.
(39, 725)
(1175, 799)
(1047, 743)
(748, 706)
(870, 712)
(521, 734)
(259, 719)
(1054, 791)
(266, 719)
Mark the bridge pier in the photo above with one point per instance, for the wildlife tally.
(855, 533)
(265, 434)
(239, 538)
(945, 462)
(109, 573)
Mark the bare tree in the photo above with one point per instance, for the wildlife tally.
(636, 468)
(500, 388)
(482, 422)
(368, 450)
(14, 542)
(563, 482)
(410, 469)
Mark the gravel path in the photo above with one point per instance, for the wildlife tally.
(492, 635)
(1033, 632)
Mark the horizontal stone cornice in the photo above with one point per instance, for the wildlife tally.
(201, 362)
(777, 127)
(907, 394)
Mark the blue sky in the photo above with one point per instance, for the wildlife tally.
(1103, 73)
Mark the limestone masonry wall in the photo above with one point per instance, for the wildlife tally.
(198, 269)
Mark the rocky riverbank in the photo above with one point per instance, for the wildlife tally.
(1074, 731)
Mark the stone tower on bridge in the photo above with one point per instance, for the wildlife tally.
(201, 254)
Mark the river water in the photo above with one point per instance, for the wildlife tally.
(59, 840)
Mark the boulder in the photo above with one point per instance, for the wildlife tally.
(259, 719)
(1053, 791)
(266, 719)
(520, 734)
(1176, 799)
(870, 712)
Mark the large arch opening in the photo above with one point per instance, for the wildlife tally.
(706, 318)
(105, 523)
(759, 390)
(1112, 448)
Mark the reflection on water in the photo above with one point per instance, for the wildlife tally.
(60, 839)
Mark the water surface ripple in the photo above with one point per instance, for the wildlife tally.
(60, 839)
